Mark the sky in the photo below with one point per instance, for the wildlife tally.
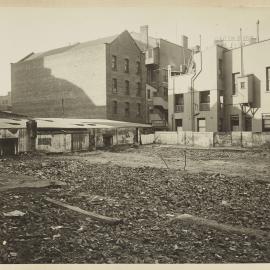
(26, 30)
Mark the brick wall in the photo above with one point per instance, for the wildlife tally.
(125, 47)
(70, 84)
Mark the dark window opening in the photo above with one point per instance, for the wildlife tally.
(138, 67)
(114, 63)
(127, 106)
(126, 67)
(114, 85)
(127, 87)
(234, 82)
(205, 101)
(138, 109)
(115, 107)
(268, 79)
(139, 89)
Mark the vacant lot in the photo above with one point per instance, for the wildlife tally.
(146, 188)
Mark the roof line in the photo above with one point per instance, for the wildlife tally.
(265, 40)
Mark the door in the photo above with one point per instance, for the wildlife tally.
(201, 125)
(179, 124)
(8, 146)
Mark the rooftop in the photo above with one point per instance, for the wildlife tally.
(66, 123)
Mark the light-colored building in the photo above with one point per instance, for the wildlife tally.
(5, 102)
(223, 91)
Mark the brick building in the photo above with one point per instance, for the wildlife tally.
(159, 53)
(104, 78)
(123, 77)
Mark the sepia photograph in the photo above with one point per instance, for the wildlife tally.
(134, 132)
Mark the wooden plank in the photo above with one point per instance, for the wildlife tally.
(94, 216)
(223, 227)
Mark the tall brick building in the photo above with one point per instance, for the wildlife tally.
(104, 78)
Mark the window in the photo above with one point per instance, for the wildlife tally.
(127, 109)
(205, 101)
(268, 79)
(114, 107)
(114, 63)
(138, 67)
(179, 102)
(165, 76)
(179, 124)
(266, 122)
(114, 85)
(127, 87)
(234, 82)
(138, 109)
(234, 122)
(201, 125)
(126, 67)
(148, 93)
(165, 91)
(220, 68)
(242, 85)
(139, 89)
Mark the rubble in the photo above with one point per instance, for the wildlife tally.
(145, 198)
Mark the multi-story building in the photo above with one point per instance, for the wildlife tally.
(104, 78)
(123, 77)
(228, 90)
(5, 102)
(159, 53)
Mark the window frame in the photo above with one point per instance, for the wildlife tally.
(126, 65)
(115, 107)
(139, 110)
(127, 109)
(127, 87)
(264, 129)
(114, 85)
(138, 67)
(139, 89)
(114, 62)
(234, 83)
(267, 79)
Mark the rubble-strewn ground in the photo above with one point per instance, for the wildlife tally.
(231, 187)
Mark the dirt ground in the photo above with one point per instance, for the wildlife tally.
(145, 187)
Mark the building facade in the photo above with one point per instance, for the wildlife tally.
(5, 102)
(104, 78)
(227, 90)
(160, 53)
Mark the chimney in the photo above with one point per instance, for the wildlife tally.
(184, 42)
(144, 34)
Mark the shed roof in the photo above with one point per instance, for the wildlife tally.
(67, 123)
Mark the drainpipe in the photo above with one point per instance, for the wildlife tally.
(194, 77)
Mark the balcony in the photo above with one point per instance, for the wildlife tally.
(204, 106)
(160, 101)
(179, 108)
(151, 56)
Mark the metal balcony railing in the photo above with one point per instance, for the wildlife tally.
(179, 108)
(204, 106)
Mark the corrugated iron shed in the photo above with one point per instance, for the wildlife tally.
(66, 123)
